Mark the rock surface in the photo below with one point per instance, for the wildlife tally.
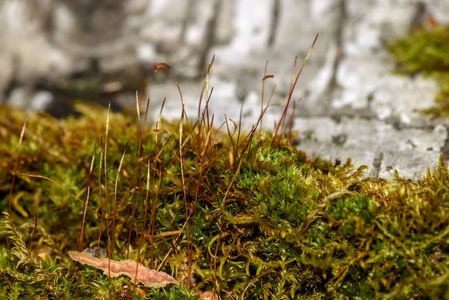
(352, 105)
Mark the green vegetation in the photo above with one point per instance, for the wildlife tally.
(426, 51)
(247, 216)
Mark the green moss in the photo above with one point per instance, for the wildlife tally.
(426, 51)
(249, 215)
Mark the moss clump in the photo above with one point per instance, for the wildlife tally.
(244, 215)
(426, 51)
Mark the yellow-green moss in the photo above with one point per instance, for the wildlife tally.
(255, 216)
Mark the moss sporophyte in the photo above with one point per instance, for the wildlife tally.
(206, 212)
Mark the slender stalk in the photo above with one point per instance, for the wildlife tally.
(34, 232)
(265, 77)
(60, 186)
(86, 201)
(106, 185)
(276, 137)
(101, 196)
(114, 216)
(22, 133)
(158, 130)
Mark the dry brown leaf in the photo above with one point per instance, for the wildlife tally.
(147, 277)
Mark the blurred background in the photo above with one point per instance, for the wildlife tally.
(55, 51)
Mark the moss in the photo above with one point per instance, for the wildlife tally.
(245, 215)
(426, 51)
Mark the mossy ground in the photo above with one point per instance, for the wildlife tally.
(248, 214)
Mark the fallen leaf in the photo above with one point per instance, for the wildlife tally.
(147, 277)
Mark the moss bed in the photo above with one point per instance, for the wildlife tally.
(245, 215)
